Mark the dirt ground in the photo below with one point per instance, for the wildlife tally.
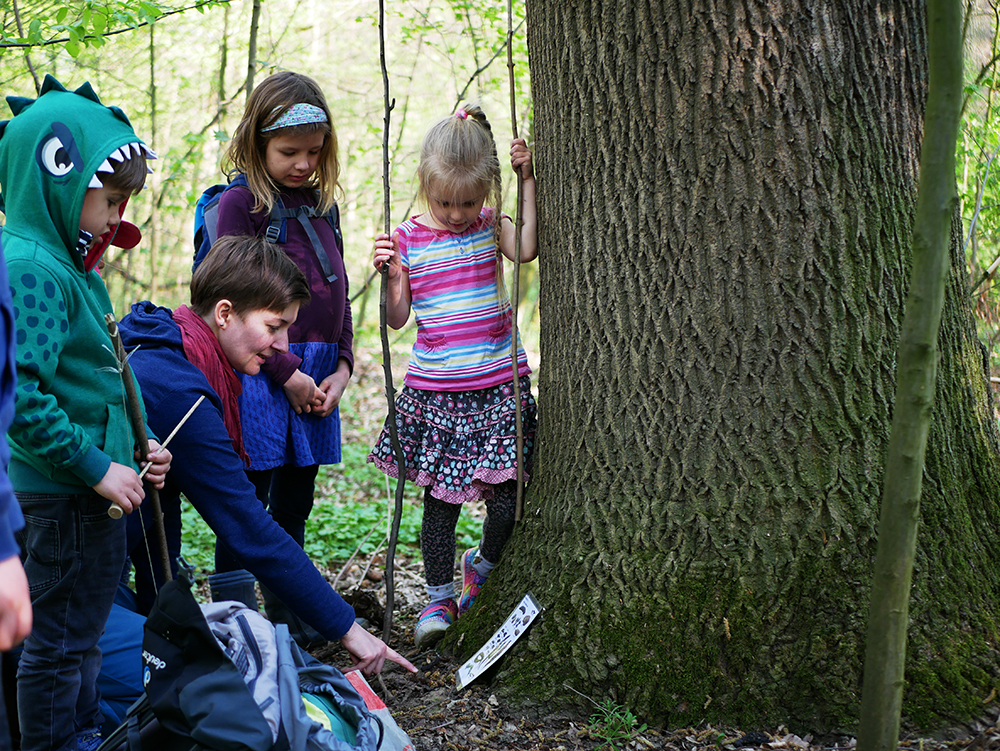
(436, 715)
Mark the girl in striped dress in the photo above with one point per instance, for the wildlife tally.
(456, 412)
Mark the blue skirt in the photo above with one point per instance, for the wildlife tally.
(274, 436)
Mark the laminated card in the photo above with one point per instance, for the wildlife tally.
(508, 633)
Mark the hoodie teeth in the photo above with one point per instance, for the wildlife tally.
(149, 170)
(150, 154)
(136, 148)
(117, 155)
(95, 182)
(106, 167)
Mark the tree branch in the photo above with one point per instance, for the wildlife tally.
(63, 40)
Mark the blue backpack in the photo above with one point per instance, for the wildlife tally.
(206, 221)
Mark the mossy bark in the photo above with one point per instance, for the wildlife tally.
(725, 197)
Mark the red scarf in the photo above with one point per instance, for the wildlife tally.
(202, 349)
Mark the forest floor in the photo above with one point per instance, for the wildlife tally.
(439, 716)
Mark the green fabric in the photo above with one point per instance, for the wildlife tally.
(320, 709)
(71, 419)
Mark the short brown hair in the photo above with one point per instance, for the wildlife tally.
(129, 174)
(250, 272)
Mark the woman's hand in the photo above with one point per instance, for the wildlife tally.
(369, 653)
(15, 604)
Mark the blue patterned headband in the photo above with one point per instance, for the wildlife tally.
(297, 114)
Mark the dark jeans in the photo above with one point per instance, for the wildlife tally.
(287, 492)
(5, 730)
(144, 547)
(73, 554)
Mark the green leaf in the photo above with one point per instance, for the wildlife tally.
(100, 23)
(73, 46)
(61, 14)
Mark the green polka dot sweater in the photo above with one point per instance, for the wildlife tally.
(71, 420)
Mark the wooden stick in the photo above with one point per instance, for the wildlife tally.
(515, 287)
(390, 393)
(174, 432)
(139, 428)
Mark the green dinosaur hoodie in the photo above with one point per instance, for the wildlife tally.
(71, 418)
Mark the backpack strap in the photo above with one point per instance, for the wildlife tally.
(277, 231)
(134, 737)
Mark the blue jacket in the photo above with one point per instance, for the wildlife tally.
(10, 512)
(207, 470)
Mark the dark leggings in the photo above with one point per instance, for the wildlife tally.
(437, 532)
(288, 493)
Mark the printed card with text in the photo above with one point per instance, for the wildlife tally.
(511, 630)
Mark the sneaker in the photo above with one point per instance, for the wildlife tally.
(472, 582)
(433, 622)
(89, 739)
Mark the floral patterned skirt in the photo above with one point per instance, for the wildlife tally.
(459, 443)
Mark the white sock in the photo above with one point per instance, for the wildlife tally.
(441, 592)
(482, 566)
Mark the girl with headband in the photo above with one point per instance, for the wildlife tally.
(283, 156)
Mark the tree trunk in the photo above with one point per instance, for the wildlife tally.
(725, 195)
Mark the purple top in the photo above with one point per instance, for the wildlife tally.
(327, 318)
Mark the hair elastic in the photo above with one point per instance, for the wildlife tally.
(297, 114)
(461, 114)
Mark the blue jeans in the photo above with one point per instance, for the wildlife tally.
(73, 554)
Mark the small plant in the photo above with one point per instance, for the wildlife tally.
(614, 724)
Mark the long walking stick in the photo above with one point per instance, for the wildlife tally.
(515, 291)
(390, 394)
(139, 427)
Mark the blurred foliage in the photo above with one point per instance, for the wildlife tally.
(181, 81)
(979, 170)
(180, 77)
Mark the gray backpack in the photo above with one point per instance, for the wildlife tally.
(220, 677)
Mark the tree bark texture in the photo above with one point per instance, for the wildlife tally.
(725, 193)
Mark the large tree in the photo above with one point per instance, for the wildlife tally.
(725, 199)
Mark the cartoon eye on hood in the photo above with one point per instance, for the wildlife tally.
(57, 153)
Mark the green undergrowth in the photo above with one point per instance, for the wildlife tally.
(350, 516)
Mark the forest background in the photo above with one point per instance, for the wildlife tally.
(181, 82)
(181, 73)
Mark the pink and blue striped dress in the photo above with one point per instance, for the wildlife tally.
(463, 326)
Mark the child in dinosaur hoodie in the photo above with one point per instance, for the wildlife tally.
(68, 164)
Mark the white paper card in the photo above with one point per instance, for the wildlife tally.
(508, 633)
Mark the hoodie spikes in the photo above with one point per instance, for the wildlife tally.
(150, 154)
(106, 167)
(95, 182)
(117, 155)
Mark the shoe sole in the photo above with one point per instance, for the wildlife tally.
(429, 637)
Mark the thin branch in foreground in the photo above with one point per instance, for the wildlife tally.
(64, 40)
